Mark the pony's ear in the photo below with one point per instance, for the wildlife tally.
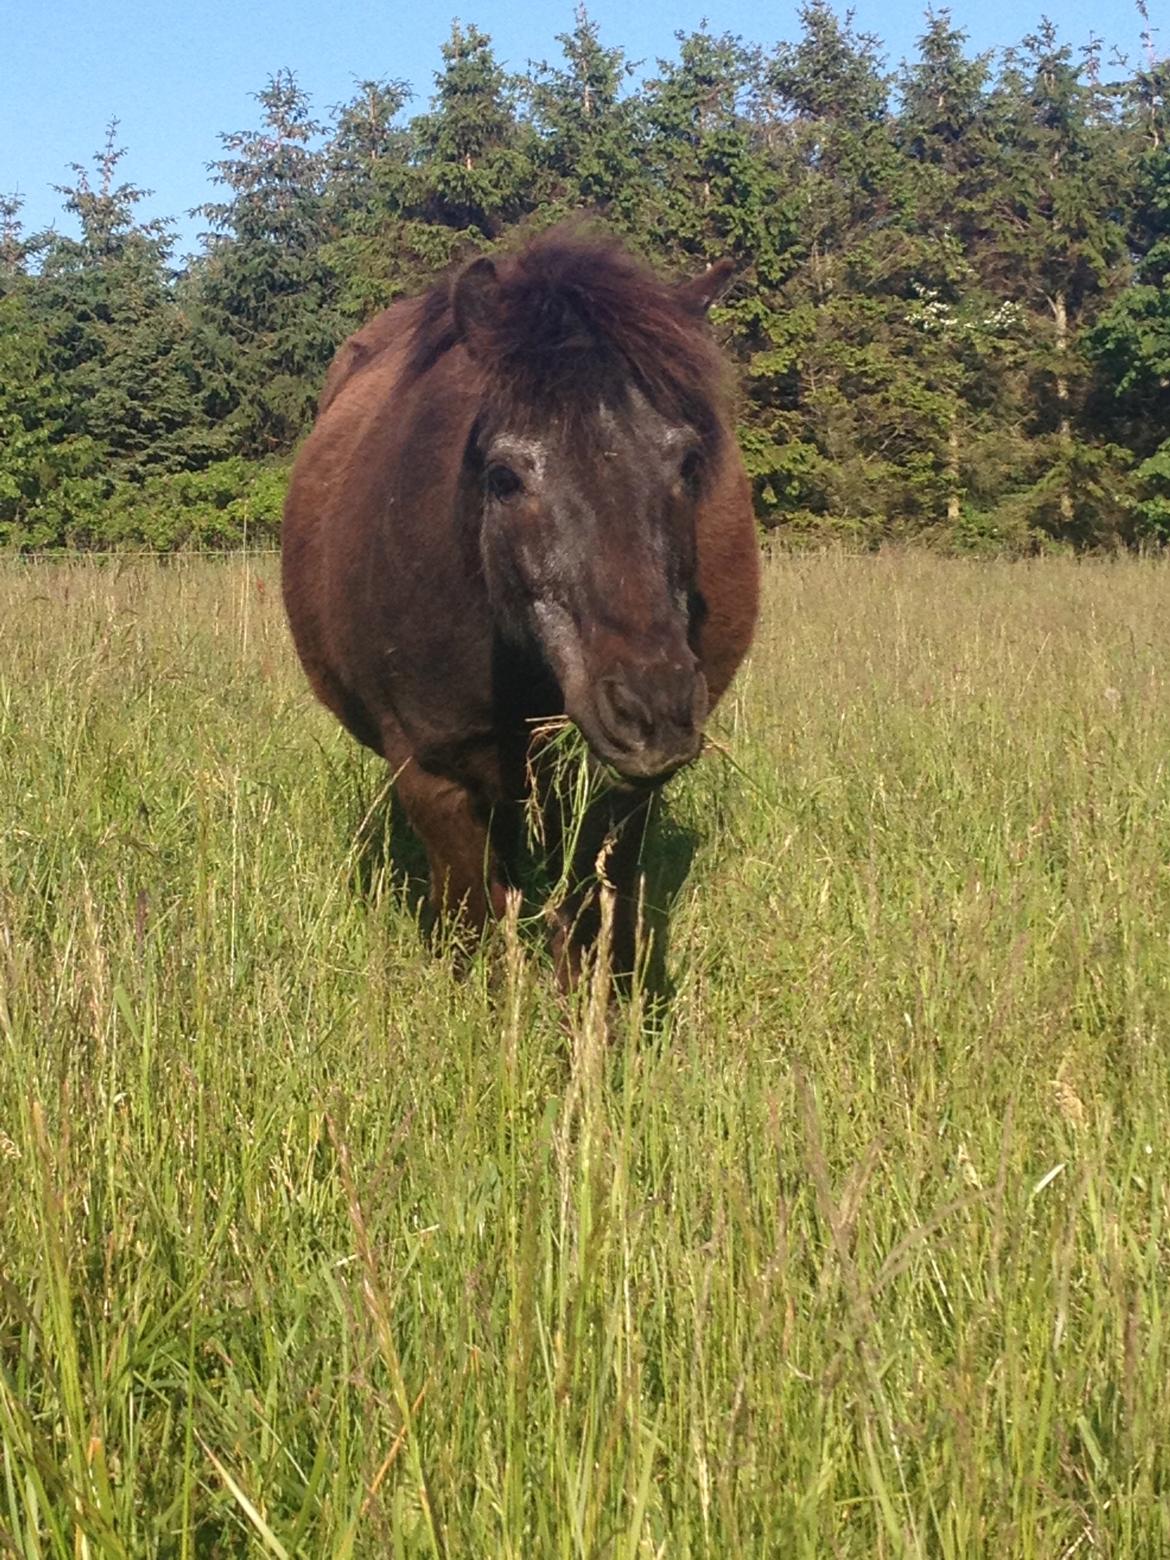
(700, 292)
(475, 297)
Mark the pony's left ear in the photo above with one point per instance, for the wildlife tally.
(700, 292)
(474, 298)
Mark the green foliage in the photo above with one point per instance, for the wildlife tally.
(118, 338)
(587, 151)
(264, 295)
(41, 459)
(1129, 348)
(471, 168)
(1152, 501)
(949, 312)
(231, 504)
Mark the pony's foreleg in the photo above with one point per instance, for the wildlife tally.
(606, 853)
(466, 883)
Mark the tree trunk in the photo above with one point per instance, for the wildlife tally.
(1064, 421)
(952, 470)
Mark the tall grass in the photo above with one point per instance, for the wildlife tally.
(313, 1243)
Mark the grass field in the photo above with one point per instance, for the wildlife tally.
(311, 1246)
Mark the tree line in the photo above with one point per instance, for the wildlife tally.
(949, 320)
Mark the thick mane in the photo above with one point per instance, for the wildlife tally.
(577, 320)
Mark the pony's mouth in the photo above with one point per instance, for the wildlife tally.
(646, 764)
(647, 727)
(641, 711)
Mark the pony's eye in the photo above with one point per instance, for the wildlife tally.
(501, 482)
(692, 463)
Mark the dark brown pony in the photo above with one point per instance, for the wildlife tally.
(522, 499)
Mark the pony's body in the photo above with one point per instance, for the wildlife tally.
(521, 498)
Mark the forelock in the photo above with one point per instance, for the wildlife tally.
(578, 322)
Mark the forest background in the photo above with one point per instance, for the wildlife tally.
(949, 318)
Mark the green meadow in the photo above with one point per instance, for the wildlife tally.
(850, 1239)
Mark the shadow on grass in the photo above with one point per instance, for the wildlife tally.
(387, 853)
(666, 858)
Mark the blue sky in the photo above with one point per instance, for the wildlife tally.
(175, 75)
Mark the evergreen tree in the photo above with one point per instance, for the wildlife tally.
(970, 339)
(1130, 346)
(1056, 248)
(472, 170)
(367, 156)
(365, 139)
(265, 292)
(948, 131)
(43, 458)
(454, 178)
(16, 247)
(589, 137)
(846, 395)
(696, 145)
(833, 90)
(115, 335)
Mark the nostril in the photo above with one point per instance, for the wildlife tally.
(683, 698)
(625, 716)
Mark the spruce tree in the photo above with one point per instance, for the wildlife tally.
(1056, 248)
(848, 399)
(264, 291)
(44, 457)
(115, 335)
(472, 168)
(969, 338)
(17, 247)
(588, 145)
(367, 154)
(1129, 348)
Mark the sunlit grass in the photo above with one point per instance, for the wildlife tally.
(314, 1243)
